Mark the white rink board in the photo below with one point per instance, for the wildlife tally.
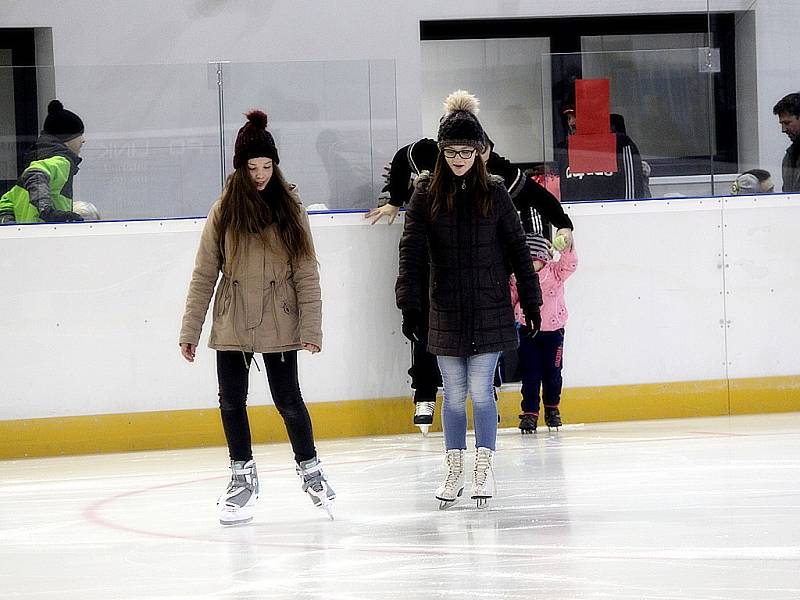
(98, 334)
(645, 304)
(762, 248)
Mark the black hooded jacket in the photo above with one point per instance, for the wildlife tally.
(471, 259)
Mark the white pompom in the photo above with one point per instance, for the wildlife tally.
(462, 100)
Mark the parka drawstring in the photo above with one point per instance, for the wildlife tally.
(238, 339)
(274, 304)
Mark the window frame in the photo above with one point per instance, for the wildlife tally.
(565, 34)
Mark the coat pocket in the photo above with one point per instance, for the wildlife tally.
(498, 287)
(223, 300)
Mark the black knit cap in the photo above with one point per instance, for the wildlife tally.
(62, 123)
(254, 141)
(460, 126)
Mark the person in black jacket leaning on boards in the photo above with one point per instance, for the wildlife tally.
(537, 207)
(462, 223)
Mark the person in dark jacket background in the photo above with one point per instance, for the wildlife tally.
(463, 224)
(788, 112)
(44, 189)
(537, 207)
(538, 210)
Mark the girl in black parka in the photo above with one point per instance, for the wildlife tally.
(464, 224)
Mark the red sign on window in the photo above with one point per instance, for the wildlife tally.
(592, 148)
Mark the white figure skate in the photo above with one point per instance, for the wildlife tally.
(453, 485)
(483, 483)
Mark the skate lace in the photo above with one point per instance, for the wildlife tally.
(424, 408)
(454, 468)
(482, 466)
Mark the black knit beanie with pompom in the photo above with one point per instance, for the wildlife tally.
(460, 126)
(62, 123)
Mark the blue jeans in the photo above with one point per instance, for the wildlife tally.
(474, 374)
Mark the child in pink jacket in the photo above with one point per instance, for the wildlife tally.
(541, 353)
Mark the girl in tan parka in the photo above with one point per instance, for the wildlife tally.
(268, 301)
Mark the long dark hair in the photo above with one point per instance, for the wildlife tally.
(243, 211)
(443, 187)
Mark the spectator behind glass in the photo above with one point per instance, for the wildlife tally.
(625, 184)
(788, 111)
(754, 181)
(618, 126)
(541, 353)
(44, 189)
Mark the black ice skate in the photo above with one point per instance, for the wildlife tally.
(527, 422)
(552, 418)
(423, 415)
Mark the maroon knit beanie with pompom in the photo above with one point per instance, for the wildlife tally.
(254, 141)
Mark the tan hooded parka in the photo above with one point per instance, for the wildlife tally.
(264, 303)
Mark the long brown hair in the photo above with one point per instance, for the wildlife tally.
(443, 187)
(244, 211)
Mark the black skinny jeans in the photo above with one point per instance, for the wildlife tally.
(233, 376)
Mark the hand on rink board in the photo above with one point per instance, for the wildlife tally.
(387, 210)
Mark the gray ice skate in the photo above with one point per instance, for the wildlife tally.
(237, 503)
(316, 485)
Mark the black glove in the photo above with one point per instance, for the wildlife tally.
(533, 319)
(411, 323)
(7, 217)
(60, 216)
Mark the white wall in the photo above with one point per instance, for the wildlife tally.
(666, 291)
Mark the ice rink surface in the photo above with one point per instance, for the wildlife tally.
(676, 509)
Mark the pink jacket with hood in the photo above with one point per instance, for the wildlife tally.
(551, 279)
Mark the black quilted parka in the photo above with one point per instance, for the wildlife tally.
(471, 259)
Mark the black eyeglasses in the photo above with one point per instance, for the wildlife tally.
(465, 154)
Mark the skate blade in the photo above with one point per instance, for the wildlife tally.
(481, 502)
(445, 503)
(239, 517)
(229, 520)
(424, 429)
(234, 523)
